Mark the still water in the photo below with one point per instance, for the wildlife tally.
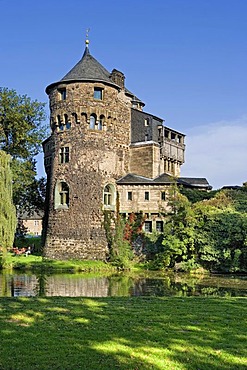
(151, 284)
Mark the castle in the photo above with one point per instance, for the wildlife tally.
(104, 154)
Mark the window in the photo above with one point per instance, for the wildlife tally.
(148, 226)
(64, 193)
(60, 124)
(100, 122)
(36, 222)
(61, 195)
(163, 195)
(109, 197)
(146, 122)
(146, 197)
(62, 94)
(92, 122)
(159, 226)
(66, 121)
(98, 93)
(129, 195)
(64, 154)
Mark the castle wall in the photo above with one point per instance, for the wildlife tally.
(145, 159)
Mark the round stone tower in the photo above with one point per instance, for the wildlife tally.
(88, 150)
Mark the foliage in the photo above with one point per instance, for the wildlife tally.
(33, 242)
(195, 195)
(21, 134)
(7, 209)
(123, 333)
(211, 234)
(120, 252)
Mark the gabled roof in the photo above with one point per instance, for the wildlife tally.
(165, 179)
(131, 178)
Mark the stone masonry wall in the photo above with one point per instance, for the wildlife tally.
(97, 157)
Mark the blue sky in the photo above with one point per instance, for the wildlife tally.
(186, 59)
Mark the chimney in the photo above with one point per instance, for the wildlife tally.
(117, 77)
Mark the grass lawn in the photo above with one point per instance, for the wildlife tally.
(34, 263)
(123, 333)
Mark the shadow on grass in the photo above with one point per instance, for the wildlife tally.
(123, 333)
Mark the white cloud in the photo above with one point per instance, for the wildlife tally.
(217, 151)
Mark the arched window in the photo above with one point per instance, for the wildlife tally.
(67, 123)
(109, 197)
(100, 122)
(61, 195)
(59, 122)
(92, 122)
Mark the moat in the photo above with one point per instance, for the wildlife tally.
(91, 285)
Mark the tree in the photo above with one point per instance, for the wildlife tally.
(7, 209)
(22, 131)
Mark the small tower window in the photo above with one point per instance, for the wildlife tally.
(60, 123)
(64, 194)
(100, 123)
(92, 122)
(64, 154)
(98, 93)
(109, 197)
(66, 121)
(61, 195)
(62, 94)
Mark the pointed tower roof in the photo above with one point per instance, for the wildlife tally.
(87, 69)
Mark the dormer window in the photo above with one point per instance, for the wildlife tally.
(98, 93)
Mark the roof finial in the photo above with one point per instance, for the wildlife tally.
(87, 41)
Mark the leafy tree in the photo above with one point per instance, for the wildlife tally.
(7, 209)
(179, 232)
(22, 131)
(195, 195)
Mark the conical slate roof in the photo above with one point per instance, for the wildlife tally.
(87, 69)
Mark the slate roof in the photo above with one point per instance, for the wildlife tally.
(89, 69)
(132, 178)
(192, 182)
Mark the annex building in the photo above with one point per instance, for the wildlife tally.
(105, 153)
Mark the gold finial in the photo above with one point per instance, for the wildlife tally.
(87, 41)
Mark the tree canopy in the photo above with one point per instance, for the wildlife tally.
(22, 130)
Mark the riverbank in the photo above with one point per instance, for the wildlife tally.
(123, 333)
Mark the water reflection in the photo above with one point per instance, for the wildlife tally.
(78, 285)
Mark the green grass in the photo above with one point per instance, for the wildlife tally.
(123, 333)
(34, 263)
